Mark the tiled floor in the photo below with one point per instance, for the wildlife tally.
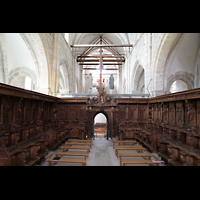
(101, 154)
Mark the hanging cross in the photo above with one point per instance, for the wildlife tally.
(101, 67)
(98, 43)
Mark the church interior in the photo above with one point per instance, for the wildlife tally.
(96, 99)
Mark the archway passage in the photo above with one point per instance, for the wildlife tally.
(100, 126)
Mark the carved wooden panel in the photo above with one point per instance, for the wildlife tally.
(62, 113)
(133, 112)
(155, 111)
(129, 134)
(172, 112)
(122, 113)
(27, 110)
(122, 125)
(150, 111)
(142, 112)
(82, 113)
(75, 132)
(179, 113)
(165, 118)
(34, 112)
(72, 113)
(190, 113)
(7, 110)
(160, 112)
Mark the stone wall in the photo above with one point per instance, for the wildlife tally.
(156, 53)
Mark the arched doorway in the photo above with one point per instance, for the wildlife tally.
(100, 126)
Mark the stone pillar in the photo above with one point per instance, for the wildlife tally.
(55, 69)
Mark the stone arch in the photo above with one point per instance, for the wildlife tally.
(65, 75)
(1, 67)
(169, 61)
(167, 44)
(137, 73)
(61, 81)
(35, 47)
(39, 47)
(20, 72)
(122, 36)
(107, 118)
(184, 76)
(4, 58)
(197, 72)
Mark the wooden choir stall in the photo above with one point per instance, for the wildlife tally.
(32, 123)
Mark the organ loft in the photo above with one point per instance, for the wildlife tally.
(99, 99)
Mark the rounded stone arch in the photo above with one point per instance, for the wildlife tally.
(18, 52)
(3, 64)
(66, 77)
(76, 86)
(136, 74)
(167, 44)
(39, 49)
(61, 81)
(197, 72)
(122, 36)
(183, 76)
(20, 72)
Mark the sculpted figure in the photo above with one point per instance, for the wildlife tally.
(190, 114)
(111, 82)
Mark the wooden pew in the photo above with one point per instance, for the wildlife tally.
(174, 152)
(66, 160)
(71, 154)
(126, 147)
(78, 148)
(78, 143)
(149, 155)
(33, 155)
(123, 141)
(77, 140)
(150, 162)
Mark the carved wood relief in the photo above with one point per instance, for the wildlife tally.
(172, 112)
(30, 122)
(179, 113)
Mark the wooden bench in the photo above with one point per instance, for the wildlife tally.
(71, 154)
(150, 162)
(77, 140)
(67, 160)
(149, 155)
(123, 141)
(78, 148)
(124, 147)
(78, 143)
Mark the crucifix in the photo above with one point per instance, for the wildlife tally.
(115, 59)
(101, 67)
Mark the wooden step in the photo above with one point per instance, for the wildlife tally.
(60, 153)
(150, 162)
(66, 160)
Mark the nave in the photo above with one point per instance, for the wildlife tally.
(101, 153)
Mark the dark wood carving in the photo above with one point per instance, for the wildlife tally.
(31, 122)
(22, 117)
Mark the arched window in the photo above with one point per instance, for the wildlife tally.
(178, 86)
(28, 83)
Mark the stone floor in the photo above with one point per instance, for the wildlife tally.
(101, 154)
